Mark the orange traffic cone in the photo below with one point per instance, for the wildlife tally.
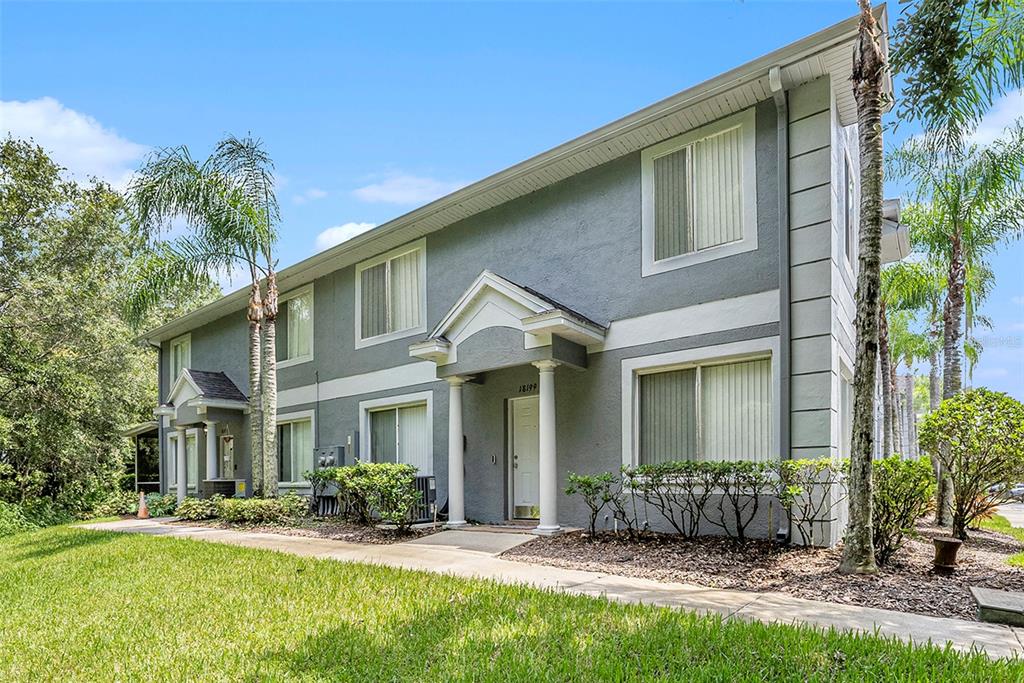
(143, 508)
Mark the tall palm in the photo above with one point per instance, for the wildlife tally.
(229, 205)
(905, 287)
(974, 197)
(908, 344)
(869, 73)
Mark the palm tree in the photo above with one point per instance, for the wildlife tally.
(956, 58)
(869, 72)
(229, 205)
(975, 201)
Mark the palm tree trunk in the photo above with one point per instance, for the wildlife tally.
(270, 462)
(897, 411)
(952, 322)
(911, 418)
(868, 72)
(254, 313)
(952, 377)
(934, 383)
(885, 370)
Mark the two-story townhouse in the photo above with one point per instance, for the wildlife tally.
(676, 284)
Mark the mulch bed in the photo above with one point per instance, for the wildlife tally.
(326, 527)
(908, 584)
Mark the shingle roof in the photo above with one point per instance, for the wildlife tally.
(216, 385)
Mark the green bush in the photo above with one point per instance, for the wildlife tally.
(13, 520)
(383, 490)
(198, 508)
(978, 438)
(902, 494)
(281, 510)
(118, 504)
(727, 494)
(804, 490)
(596, 490)
(161, 505)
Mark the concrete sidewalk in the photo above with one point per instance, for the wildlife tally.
(451, 552)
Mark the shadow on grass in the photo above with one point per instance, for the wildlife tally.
(56, 544)
(353, 650)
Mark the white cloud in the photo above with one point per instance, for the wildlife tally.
(990, 373)
(403, 188)
(74, 140)
(1004, 113)
(309, 195)
(341, 233)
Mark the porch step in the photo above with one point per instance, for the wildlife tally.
(999, 607)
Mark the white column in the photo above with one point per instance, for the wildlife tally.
(456, 490)
(182, 465)
(212, 461)
(548, 479)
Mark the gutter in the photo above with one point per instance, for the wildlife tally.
(785, 329)
(804, 48)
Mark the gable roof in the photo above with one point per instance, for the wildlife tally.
(216, 385)
(826, 53)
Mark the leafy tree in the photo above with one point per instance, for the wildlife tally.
(979, 437)
(228, 202)
(71, 377)
(869, 73)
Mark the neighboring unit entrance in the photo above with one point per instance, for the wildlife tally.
(524, 447)
(227, 457)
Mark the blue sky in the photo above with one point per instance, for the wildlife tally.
(371, 110)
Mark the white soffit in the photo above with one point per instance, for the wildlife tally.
(829, 51)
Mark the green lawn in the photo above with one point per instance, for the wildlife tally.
(1002, 525)
(85, 605)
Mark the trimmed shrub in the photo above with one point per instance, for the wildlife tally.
(118, 504)
(727, 494)
(198, 508)
(978, 438)
(383, 490)
(281, 510)
(13, 520)
(596, 490)
(804, 490)
(902, 494)
(161, 505)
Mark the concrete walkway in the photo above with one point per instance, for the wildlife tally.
(452, 552)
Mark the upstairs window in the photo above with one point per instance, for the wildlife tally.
(699, 195)
(390, 295)
(708, 412)
(299, 315)
(181, 356)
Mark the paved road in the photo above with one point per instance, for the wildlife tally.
(1014, 513)
(459, 554)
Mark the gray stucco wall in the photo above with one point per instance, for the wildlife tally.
(578, 241)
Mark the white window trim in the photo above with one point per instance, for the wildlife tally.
(748, 180)
(170, 359)
(367, 407)
(298, 416)
(849, 257)
(732, 352)
(172, 450)
(421, 246)
(289, 362)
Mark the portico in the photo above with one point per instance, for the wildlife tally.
(203, 414)
(498, 325)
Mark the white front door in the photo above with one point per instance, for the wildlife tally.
(525, 443)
